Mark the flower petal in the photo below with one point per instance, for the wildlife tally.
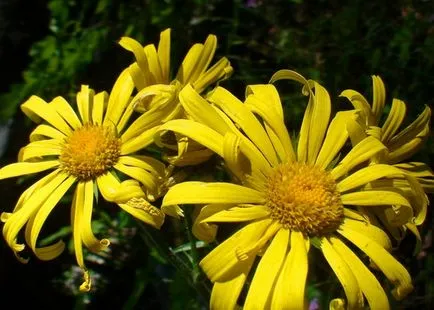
(393, 121)
(39, 149)
(203, 230)
(344, 274)
(373, 232)
(379, 97)
(36, 109)
(267, 272)
(371, 288)
(108, 186)
(100, 102)
(207, 193)
(360, 153)
(392, 269)
(44, 131)
(221, 70)
(164, 55)
(18, 169)
(239, 214)
(85, 103)
(66, 111)
(292, 278)
(139, 142)
(144, 211)
(223, 263)
(245, 119)
(335, 138)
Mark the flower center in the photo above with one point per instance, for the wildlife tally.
(90, 151)
(304, 198)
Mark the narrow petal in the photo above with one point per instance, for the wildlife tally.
(247, 121)
(85, 103)
(36, 109)
(289, 290)
(164, 55)
(207, 193)
(371, 288)
(43, 131)
(235, 160)
(360, 103)
(202, 63)
(201, 111)
(139, 142)
(379, 97)
(203, 230)
(267, 272)
(90, 241)
(344, 274)
(196, 131)
(39, 149)
(374, 198)
(18, 169)
(137, 49)
(366, 175)
(239, 214)
(143, 176)
(108, 186)
(369, 230)
(223, 263)
(66, 112)
(225, 294)
(154, 62)
(120, 97)
(189, 63)
(259, 104)
(35, 225)
(221, 70)
(77, 227)
(144, 211)
(392, 269)
(393, 121)
(150, 164)
(100, 102)
(360, 153)
(335, 138)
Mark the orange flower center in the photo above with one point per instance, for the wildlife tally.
(304, 198)
(90, 151)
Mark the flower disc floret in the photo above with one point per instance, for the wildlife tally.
(304, 198)
(90, 151)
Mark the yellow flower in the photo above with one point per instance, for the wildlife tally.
(400, 147)
(156, 89)
(288, 199)
(90, 150)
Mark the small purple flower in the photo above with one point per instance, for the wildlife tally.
(314, 304)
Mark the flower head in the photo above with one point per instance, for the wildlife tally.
(89, 150)
(158, 90)
(289, 199)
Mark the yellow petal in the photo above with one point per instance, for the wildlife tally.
(264, 101)
(221, 70)
(205, 58)
(144, 211)
(267, 272)
(344, 274)
(43, 131)
(137, 49)
(164, 55)
(144, 177)
(189, 63)
(66, 111)
(374, 233)
(108, 186)
(392, 269)
(239, 214)
(201, 111)
(225, 294)
(289, 290)
(360, 103)
(245, 119)
(139, 142)
(100, 102)
(223, 263)
(203, 230)
(371, 288)
(196, 131)
(360, 153)
(85, 103)
(87, 236)
(36, 109)
(335, 138)
(38, 149)
(235, 161)
(379, 97)
(206, 193)
(34, 227)
(366, 175)
(393, 121)
(17, 169)
(120, 97)
(153, 62)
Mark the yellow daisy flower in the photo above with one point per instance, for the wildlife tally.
(288, 199)
(90, 150)
(151, 76)
(400, 146)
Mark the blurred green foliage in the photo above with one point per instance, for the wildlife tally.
(339, 43)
